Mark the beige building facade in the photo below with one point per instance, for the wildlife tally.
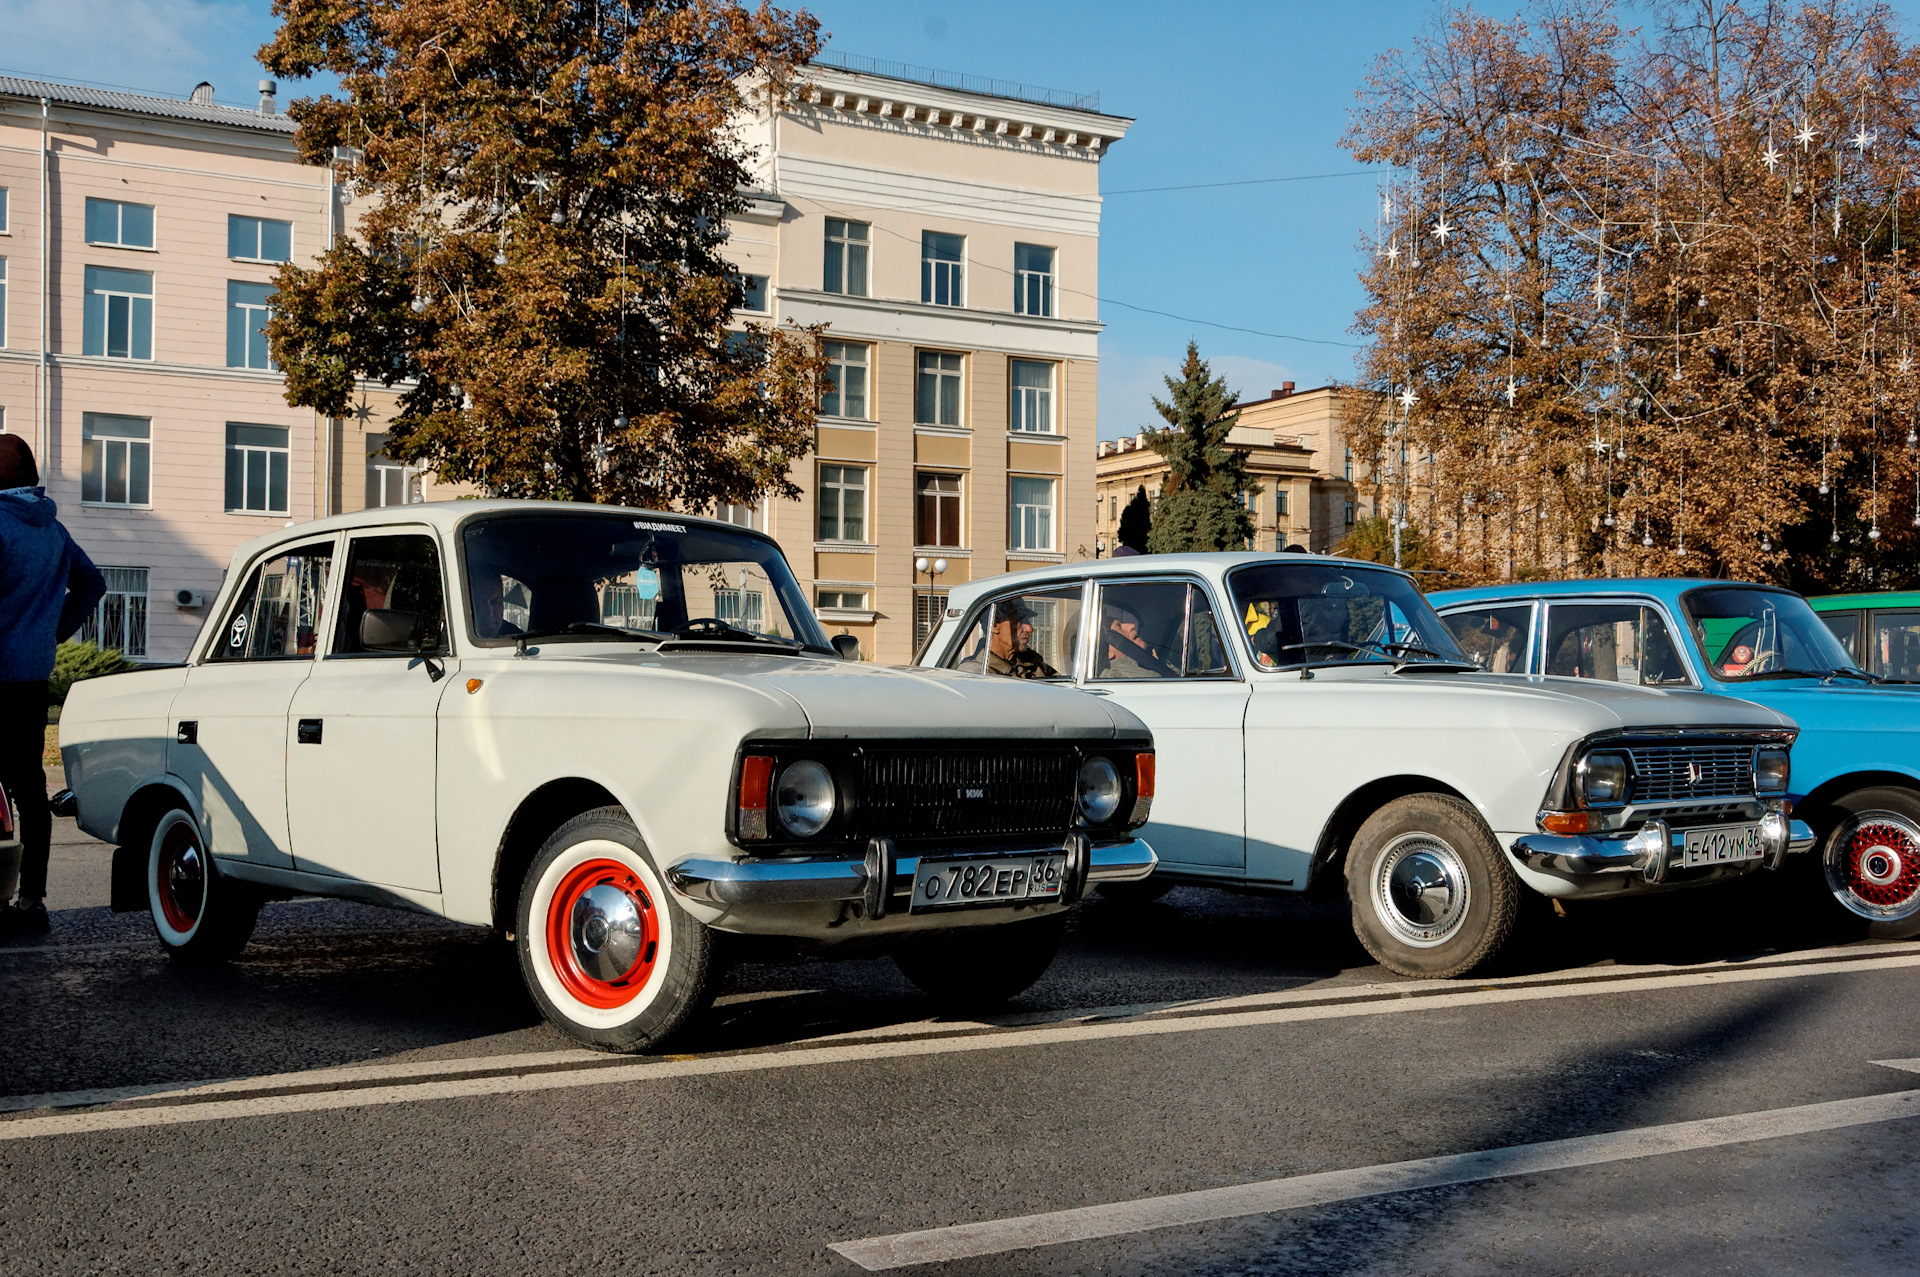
(947, 238)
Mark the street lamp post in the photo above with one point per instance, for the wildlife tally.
(933, 568)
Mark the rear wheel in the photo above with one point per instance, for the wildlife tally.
(975, 969)
(612, 959)
(199, 914)
(1871, 855)
(1431, 891)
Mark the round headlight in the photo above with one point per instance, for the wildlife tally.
(1770, 771)
(1099, 790)
(1604, 778)
(803, 797)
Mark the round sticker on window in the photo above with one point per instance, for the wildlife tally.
(237, 637)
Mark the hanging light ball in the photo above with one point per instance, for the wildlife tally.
(620, 422)
(500, 258)
(559, 217)
(1766, 545)
(1823, 488)
(1543, 514)
(1873, 534)
(1647, 540)
(1913, 439)
(1835, 538)
(1620, 454)
(419, 303)
(1609, 520)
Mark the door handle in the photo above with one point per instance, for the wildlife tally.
(309, 731)
(188, 733)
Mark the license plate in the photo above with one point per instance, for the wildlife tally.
(954, 884)
(1722, 844)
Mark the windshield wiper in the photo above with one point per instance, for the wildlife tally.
(1862, 675)
(576, 628)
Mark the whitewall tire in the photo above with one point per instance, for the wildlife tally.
(199, 914)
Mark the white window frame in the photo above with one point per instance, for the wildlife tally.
(131, 448)
(253, 320)
(259, 234)
(260, 456)
(849, 244)
(751, 515)
(4, 228)
(747, 289)
(959, 497)
(838, 356)
(3, 301)
(107, 297)
(1032, 289)
(119, 620)
(940, 374)
(120, 225)
(842, 594)
(1030, 404)
(841, 488)
(1028, 523)
(939, 275)
(391, 476)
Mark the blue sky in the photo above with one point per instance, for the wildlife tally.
(1221, 92)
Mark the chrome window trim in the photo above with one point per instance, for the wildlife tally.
(1537, 664)
(1236, 673)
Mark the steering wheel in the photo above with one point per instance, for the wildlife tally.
(710, 627)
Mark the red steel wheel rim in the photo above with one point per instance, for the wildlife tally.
(180, 872)
(1881, 864)
(595, 990)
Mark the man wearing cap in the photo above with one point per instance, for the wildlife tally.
(1127, 656)
(1007, 650)
(48, 585)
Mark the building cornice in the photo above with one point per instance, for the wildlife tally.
(953, 327)
(875, 101)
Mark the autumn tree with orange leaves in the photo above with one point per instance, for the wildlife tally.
(1639, 302)
(546, 189)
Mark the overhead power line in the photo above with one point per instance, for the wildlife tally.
(1254, 181)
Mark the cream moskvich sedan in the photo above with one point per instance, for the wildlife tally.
(1315, 720)
(607, 733)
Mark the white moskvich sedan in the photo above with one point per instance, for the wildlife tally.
(1315, 720)
(607, 733)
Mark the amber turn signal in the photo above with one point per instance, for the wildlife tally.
(1568, 822)
(1143, 777)
(473, 685)
(756, 782)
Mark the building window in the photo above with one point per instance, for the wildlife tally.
(937, 509)
(1032, 524)
(937, 401)
(942, 269)
(754, 287)
(1032, 280)
(1032, 408)
(259, 239)
(1349, 514)
(116, 459)
(249, 307)
(3, 301)
(844, 600)
(120, 619)
(122, 225)
(256, 469)
(847, 370)
(1349, 469)
(1252, 499)
(928, 606)
(843, 503)
(388, 481)
(1113, 507)
(1280, 502)
(751, 515)
(846, 257)
(118, 313)
(3, 210)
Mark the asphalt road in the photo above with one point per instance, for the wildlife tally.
(1211, 1084)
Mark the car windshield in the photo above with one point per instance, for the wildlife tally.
(1333, 613)
(1748, 634)
(585, 574)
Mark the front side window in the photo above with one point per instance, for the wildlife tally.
(1035, 634)
(562, 576)
(259, 239)
(256, 469)
(1032, 508)
(1498, 639)
(116, 459)
(249, 307)
(1157, 630)
(937, 398)
(1614, 643)
(1032, 407)
(846, 257)
(847, 363)
(1746, 634)
(119, 620)
(121, 224)
(389, 482)
(398, 578)
(1298, 614)
(278, 613)
(936, 509)
(118, 313)
(1846, 628)
(1896, 644)
(942, 269)
(1032, 280)
(843, 503)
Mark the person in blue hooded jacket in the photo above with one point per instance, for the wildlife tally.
(48, 586)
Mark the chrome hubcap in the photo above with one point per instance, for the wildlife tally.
(606, 932)
(1420, 890)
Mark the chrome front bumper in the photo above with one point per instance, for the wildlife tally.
(1650, 852)
(883, 875)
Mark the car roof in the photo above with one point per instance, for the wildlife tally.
(1211, 564)
(1663, 586)
(1882, 598)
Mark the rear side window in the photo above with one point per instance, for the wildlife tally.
(396, 575)
(1497, 639)
(1614, 643)
(1846, 628)
(1157, 630)
(1896, 644)
(278, 613)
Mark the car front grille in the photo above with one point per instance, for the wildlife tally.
(1666, 773)
(967, 792)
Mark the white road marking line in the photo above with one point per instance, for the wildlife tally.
(995, 1237)
(1911, 1066)
(859, 1052)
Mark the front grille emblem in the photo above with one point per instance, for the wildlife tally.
(1694, 773)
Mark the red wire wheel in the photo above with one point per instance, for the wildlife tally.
(1880, 864)
(603, 933)
(180, 878)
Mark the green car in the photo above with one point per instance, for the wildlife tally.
(1881, 632)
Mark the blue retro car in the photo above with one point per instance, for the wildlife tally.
(1856, 766)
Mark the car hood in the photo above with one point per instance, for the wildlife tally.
(848, 699)
(1608, 706)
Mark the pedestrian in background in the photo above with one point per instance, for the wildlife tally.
(48, 585)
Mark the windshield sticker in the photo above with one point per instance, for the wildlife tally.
(646, 584)
(646, 526)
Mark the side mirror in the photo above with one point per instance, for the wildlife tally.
(848, 646)
(387, 630)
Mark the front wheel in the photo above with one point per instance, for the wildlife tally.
(1432, 893)
(1871, 855)
(199, 914)
(612, 959)
(977, 969)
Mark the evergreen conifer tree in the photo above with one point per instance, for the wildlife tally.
(1136, 521)
(1203, 505)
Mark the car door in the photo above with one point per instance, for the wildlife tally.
(1157, 649)
(229, 719)
(362, 736)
